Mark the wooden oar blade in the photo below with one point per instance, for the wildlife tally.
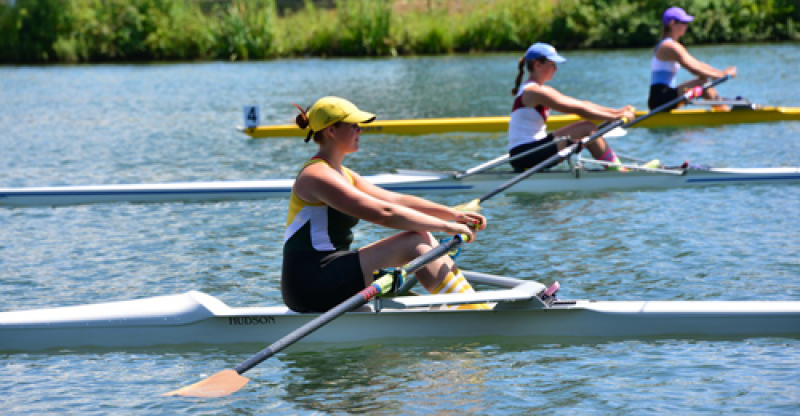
(471, 206)
(221, 384)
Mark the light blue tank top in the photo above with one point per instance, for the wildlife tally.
(663, 72)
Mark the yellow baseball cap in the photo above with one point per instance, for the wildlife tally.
(330, 110)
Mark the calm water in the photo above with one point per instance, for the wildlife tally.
(71, 125)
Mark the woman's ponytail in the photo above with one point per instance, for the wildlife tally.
(302, 119)
(518, 81)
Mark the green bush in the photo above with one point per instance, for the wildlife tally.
(35, 31)
(367, 27)
(246, 29)
(30, 30)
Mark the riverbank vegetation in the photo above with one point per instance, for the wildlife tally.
(41, 31)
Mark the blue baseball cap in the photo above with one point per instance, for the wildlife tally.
(539, 50)
(676, 13)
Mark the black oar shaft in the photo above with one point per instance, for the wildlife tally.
(353, 302)
(522, 176)
(417, 264)
(439, 251)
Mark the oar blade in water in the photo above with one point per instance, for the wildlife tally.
(221, 384)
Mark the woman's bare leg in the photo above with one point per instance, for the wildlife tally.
(440, 276)
(399, 249)
(708, 93)
(576, 131)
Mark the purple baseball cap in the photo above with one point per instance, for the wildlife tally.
(539, 50)
(676, 13)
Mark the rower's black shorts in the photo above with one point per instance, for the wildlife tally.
(661, 94)
(534, 159)
(314, 281)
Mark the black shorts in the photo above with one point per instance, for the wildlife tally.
(661, 94)
(314, 281)
(534, 159)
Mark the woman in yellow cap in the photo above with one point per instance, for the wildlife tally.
(319, 268)
(668, 58)
(527, 127)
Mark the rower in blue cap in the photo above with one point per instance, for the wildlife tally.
(527, 127)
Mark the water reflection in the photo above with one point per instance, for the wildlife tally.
(380, 378)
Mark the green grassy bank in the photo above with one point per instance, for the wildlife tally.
(36, 31)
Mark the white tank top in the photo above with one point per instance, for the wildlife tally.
(526, 124)
(663, 72)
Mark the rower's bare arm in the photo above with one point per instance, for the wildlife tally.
(380, 193)
(416, 203)
(419, 204)
(674, 51)
(336, 192)
(628, 112)
(550, 97)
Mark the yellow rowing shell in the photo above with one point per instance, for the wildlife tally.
(677, 118)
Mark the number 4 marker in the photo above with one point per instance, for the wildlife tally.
(252, 117)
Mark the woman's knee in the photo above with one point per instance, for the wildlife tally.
(396, 250)
(420, 238)
(578, 130)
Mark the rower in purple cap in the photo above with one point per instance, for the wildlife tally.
(668, 58)
(527, 127)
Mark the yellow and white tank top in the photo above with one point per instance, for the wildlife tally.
(663, 72)
(317, 227)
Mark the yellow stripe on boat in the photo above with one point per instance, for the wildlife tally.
(677, 118)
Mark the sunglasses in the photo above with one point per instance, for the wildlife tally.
(353, 125)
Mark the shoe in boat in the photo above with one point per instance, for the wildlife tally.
(548, 296)
(653, 164)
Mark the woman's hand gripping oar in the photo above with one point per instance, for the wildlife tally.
(475, 204)
(231, 380)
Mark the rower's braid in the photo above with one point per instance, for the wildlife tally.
(521, 66)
